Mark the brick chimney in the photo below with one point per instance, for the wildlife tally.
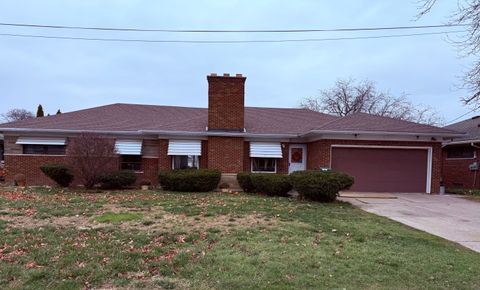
(226, 102)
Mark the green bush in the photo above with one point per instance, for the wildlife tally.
(118, 180)
(59, 173)
(320, 186)
(188, 180)
(245, 181)
(271, 184)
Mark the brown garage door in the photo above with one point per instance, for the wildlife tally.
(383, 169)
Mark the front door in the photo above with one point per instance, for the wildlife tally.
(297, 159)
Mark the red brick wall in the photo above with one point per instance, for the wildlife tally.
(282, 164)
(164, 161)
(149, 171)
(319, 155)
(204, 157)
(456, 172)
(226, 154)
(246, 157)
(226, 102)
(29, 165)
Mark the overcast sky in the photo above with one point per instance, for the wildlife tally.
(72, 74)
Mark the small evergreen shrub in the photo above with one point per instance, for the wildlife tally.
(271, 184)
(245, 181)
(59, 173)
(188, 180)
(320, 186)
(118, 180)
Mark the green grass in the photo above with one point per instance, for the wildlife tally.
(218, 241)
(110, 217)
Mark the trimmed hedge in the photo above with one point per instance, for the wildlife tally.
(59, 173)
(188, 180)
(271, 184)
(320, 186)
(245, 181)
(118, 180)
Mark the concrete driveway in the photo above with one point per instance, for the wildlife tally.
(448, 216)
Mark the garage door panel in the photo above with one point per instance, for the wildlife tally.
(383, 169)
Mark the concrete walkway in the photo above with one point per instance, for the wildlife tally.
(448, 216)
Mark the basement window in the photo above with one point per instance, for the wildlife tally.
(264, 165)
(461, 152)
(185, 161)
(131, 162)
(31, 149)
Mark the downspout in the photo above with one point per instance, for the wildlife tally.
(476, 160)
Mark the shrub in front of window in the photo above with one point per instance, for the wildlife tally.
(271, 184)
(245, 181)
(320, 186)
(188, 180)
(59, 173)
(91, 156)
(118, 180)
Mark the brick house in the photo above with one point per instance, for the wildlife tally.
(382, 154)
(461, 155)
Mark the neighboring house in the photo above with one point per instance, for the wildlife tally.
(383, 154)
(460, 156)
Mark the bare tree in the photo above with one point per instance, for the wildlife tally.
(91, 156)
(348, 97)
(468, 14)
(17, 115)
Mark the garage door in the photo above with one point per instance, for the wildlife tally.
(383, 169)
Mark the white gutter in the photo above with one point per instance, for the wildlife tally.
(226, 134)
(383, 133)
(470, 141)
(150, 132)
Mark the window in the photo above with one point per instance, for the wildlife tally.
(44, 149)
(131, 162)
(462, 152)
(1, 152)
(264, 165)
(185, 161)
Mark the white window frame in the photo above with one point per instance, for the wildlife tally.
(465, 158)
(251, 165)
(195, 156)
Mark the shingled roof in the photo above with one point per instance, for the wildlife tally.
(133, 118)
(470, 126)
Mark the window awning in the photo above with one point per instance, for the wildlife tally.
(266, 150)
(128, 147)
(41, 141)
(185, 147)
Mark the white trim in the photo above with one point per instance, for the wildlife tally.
(266, 150)
(184, 147)
(41, 141)
(173, 160)
(428, 186)
(128, 147)
(271, 172)
(304, 157)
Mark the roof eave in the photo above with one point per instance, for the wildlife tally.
(152, 132)
(388, 133)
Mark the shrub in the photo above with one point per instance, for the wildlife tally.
(118, 180)
(59, 173)
(245, 181)
(200, 180)
(271, 184)
(145, 182)
(320, 186)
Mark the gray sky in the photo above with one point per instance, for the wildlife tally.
(72, 74)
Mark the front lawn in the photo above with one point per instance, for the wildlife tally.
(155, 239)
